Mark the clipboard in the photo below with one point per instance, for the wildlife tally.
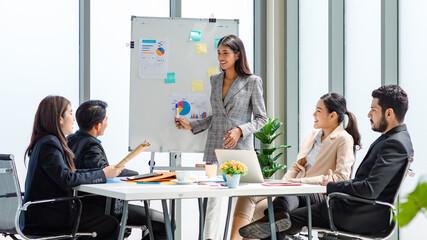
(140, 148)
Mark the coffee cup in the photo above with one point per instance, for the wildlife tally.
(211, 169)
(182, 176)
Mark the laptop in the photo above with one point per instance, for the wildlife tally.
(248, 157)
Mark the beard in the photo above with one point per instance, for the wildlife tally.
(381, 126)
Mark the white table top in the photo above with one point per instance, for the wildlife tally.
(133, 191)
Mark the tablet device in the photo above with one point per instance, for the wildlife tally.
(248, 157)
(145, 175)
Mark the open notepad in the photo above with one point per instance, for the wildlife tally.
(140, 148)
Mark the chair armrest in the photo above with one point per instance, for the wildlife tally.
(340, 195)
(62, 199)
(350, 197)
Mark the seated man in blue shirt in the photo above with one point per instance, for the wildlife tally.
(89, 153)
(377, 178)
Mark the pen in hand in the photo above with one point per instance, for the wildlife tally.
(177, 113)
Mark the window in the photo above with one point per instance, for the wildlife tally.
(39, 57)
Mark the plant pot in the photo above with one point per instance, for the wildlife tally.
(233, 180)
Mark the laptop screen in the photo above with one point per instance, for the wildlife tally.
(248, 157)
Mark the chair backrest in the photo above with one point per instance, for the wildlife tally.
(408, 172)
(10, 194)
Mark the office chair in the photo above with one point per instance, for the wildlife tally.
(11, 204)
(333, 233)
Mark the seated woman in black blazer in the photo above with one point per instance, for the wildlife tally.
(51, 174)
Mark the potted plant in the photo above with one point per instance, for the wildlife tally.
(266, 158)
(416, 201)
(232, 171)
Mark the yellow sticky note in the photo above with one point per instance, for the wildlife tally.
(197, 86)
(201, 48)
(212, 70)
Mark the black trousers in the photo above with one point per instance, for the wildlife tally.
(106, 227)
(297, 207)
(289, 203)
(137, 216)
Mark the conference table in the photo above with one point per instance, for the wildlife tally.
(143, 192)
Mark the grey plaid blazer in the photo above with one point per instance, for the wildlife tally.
(244, 98)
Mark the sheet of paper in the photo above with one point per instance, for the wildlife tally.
(201, 48)
(170, 77)
(212, 70)
(153, 58)
(190, 106)
(216, 42)
(195, 36)
(197, 86)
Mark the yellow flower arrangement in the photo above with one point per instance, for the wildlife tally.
(233, 167)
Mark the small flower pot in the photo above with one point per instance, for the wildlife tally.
(233, 180)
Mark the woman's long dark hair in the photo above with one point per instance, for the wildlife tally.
(235, 43)
(335, 102)
(47, 122)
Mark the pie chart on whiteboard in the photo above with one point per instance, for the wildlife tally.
(183, 108)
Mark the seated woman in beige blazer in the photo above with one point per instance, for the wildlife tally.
(329, 146)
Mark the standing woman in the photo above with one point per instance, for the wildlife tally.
(236, 96)
(51, 174)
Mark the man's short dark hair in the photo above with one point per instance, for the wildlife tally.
(91, 113)
(392, 96)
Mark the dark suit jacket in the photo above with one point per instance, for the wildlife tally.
(48, 177)
(90, 154)
(378, 178)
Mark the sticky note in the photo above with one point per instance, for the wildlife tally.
(201, 48)
(216, 42)
(170, 78)
(197, 86)
(212, 70)
(195, 36)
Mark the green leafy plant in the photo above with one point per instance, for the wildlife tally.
(415, 202)
(266, 158)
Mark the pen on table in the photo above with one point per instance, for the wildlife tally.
(148, 182)
(177, 112)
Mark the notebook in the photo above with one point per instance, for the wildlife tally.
(248, 157)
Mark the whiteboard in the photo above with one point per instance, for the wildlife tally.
(152, 99)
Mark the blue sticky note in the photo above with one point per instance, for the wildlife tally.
(216, 42)
(195, 36)
(170, 78)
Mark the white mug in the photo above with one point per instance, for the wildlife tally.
(183, 176)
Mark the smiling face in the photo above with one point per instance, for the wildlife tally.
(376, 117)
(322, 118)
(67, 121)
(226, 57)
